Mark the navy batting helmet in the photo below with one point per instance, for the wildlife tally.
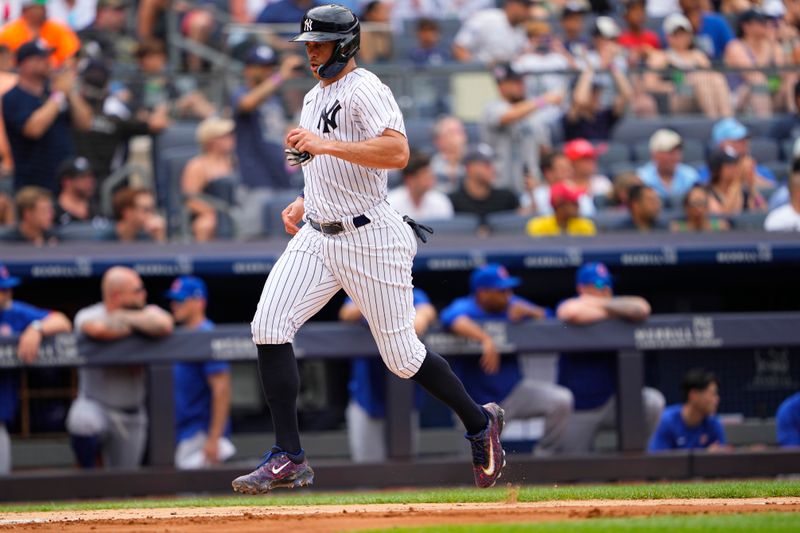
(331, 23)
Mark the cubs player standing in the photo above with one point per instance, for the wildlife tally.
(351, 131)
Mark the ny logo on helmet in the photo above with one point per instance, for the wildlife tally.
(307, 25)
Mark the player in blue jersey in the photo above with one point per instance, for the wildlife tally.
(787, 421)
(202, 389)
(492, 376)
(592, 376)
(694, 423)
(31, 324)
(367, 409)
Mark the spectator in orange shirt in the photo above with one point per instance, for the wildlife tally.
(33, 24)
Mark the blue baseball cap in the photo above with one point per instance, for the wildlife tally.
(261, 54)
(492, 276)
(7, 281)
(595, 274)
(728, 129)
(186, 287)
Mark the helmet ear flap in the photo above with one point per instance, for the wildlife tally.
(347, 47)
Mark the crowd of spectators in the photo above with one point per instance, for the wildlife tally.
(91, 81)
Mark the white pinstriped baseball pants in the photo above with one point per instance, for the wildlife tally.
(371, 263)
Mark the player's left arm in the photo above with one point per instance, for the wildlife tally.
(426, 314)
(389, 150)
(31, 338)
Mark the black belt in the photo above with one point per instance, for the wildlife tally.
(334, 228)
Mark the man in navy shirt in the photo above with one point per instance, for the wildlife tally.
(787, 421)
(39, 113)
(592, 376)
(202, 390)
(31, 324)
(260, 120)
(367, 408)
(694, 423)
(493, 376)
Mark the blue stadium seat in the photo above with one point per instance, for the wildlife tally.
(759, 127)
(623, 166)
(764, 149)
(779, 168)
(179, 134)
(509, 223)
(632, 130)
(168, 169)
(691, 127)
(271, 222)
(86, 231)
(460, 224)
(609, 220)
(615, 152)
(420, 134)
(787, 145)
(473, 130)
(749, 221)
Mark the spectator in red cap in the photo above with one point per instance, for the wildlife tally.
(585, 176)
(565, 219)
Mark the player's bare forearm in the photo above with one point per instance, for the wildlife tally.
(633, 308)
(55, 323)
(349, 313)
(152, 321)
(107, 329)
(389, 150)
(464, 326)
(424, 317)
(582, 310)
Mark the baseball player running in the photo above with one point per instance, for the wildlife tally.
(351, 131)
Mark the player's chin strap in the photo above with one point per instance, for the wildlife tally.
(419, 229)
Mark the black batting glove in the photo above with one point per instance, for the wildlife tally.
(295, 157)
(420, 230)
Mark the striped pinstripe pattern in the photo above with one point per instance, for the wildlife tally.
(371, 263)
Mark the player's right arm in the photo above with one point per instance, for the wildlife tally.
(103, 329)
(464, 326)
(151, 320)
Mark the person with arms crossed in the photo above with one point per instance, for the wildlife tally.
(694, 423)
(351, 131)
(202, 389)
(31, 324)
(493, 376)
(367, 408)
(109, 413)
(592, 376)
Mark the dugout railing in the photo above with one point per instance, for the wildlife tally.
(718, 332)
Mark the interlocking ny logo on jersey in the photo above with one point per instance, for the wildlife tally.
(327, 119)
(307, 26)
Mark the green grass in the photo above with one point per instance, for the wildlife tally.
(760, 522)
(721, 489)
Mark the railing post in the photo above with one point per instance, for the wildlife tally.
(631, 430)
(161, 411)
(399, 404)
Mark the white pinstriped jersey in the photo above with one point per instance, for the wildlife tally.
(355, 108)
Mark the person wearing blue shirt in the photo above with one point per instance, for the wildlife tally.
(665, 171)
(730, 134)
(787, 421)
(367, 408)
(260, 118)
(694, 423)
(592, 376)
(202, 389)
(31, 324)
(492, 376)
(712, 31)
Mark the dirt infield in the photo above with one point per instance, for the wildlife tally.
(355, 517)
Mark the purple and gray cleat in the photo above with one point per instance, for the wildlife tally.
(488, 456)
(276, 470)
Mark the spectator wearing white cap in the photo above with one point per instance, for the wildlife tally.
(216, 161)
(677, 74)
(495, 35)
(665, 172)
(787, 217)
(731, 134)
(757, 91)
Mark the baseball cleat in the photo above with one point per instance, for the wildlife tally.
(276, 470)
(488, 456)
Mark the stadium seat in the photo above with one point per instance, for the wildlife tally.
(615, 152)
(787, 145)
(749, 221)
(764, 149)
(759, 127)
(460, 224)
(779, 168)
(271, 222)
(420, 133)
(86, 231)
(179, 134)
(691, 127)
(632, 130)
(509, 223)
(473, 130)
(609, 220)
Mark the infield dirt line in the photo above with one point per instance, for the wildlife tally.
(349, 517)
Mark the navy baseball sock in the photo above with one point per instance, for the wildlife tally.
(85, 449)
(280, 382)
(438, 379)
